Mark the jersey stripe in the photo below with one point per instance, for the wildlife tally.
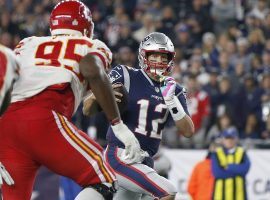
(126, 78)
(94, 159)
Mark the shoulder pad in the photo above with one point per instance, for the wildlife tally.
(116, 73)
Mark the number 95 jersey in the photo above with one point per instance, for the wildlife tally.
(54, 60)
(146, 114)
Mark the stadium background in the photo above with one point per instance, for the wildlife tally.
(222, 57)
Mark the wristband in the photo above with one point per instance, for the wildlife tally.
(176, 109)
(115, 121)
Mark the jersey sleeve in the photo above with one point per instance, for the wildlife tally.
(100, 50)
(116, 75)
(21, 45)
(181, 94)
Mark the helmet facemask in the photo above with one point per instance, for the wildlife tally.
(159, 44)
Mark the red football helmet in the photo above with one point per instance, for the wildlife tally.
(71, 17)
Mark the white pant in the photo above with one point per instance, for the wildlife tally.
(137, 179)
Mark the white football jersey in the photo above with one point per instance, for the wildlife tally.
(51, 60)
(8, 71)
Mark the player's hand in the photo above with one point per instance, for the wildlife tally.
(117, 95)
(132, 146)
(4, 175)
(138, 158)
(168, 88)
(88, 103)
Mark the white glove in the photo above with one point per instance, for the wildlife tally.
(4, 175)
(132, 146)
(168, 89)
(138, 158)
(168, 92)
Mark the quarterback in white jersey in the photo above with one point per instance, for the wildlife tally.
(9, 69)
(36, 129)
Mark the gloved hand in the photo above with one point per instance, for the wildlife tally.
(168, 89)
(132, 146)
(168, 92)
(138, 158)
(4, 175)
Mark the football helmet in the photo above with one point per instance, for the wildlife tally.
(156, 42)
(71, 17)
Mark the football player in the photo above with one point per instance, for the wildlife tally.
(8, 75)
(36, 129)
(154, 98)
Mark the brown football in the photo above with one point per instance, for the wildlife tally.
(124, 99)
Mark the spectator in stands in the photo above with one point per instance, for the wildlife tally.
(256, 41)
(212, 90)
(199, 109)
(256, 65)
(252, 128)
(266, 26)
(210, 52)
(230, 165)
(223, 13)
(200, 11)
(260, 10)
(222, 123)
(148, 26)
(126, 39)
(201, 182)
(168, 21)
(242, 54)
(183, 40)
(126, 56)
(251, 100)
(224, 64)
(226, 97)
(266, 60)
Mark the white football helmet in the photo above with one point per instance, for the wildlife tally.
(156, 42)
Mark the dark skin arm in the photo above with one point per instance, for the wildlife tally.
(6, 102)
(100, 85)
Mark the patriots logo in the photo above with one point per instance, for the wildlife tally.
(114, 75)
(146, 38)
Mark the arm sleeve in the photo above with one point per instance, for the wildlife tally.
(181, 94)
(217, 170)
(242, 168)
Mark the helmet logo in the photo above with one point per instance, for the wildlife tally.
(75, 22)
(55, 22)
(146, 38)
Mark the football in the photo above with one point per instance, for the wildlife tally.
(124, 99)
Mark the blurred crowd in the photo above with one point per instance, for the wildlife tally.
(222, 56)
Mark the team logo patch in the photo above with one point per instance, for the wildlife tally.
(114, 75)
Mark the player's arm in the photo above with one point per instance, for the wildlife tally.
(91, 106)
(184, 125)
(92, 69)
(100, 85)
(177, 109)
